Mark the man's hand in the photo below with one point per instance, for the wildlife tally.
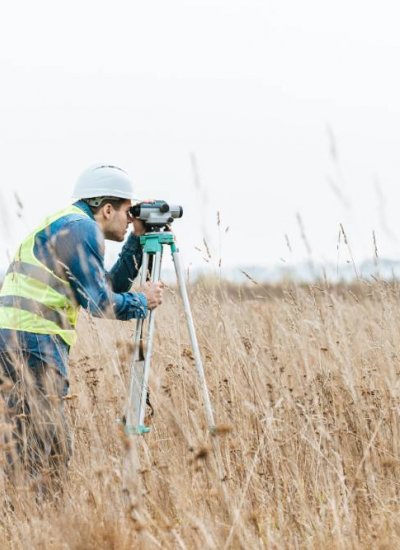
(153, 293)
(138, 227)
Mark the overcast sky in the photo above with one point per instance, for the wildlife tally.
(259, 110)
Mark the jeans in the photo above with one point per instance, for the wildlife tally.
(38, 437)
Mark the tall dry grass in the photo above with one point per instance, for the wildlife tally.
(305, 382)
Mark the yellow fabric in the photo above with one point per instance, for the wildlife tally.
(17, 284)
(19, 319)
(25, 251)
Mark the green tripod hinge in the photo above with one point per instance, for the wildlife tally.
(153, 242)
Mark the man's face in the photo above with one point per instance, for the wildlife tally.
(117, 222)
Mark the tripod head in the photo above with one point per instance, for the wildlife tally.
(156, 215)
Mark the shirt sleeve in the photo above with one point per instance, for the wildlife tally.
(80, 250)
(126, 268)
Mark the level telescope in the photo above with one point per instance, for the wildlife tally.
(156, 214)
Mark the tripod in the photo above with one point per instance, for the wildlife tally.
(153, 244)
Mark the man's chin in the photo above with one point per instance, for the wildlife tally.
(115, 238)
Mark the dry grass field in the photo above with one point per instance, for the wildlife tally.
(305, 384)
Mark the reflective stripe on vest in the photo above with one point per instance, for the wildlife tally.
(33, 298)
(46, 277)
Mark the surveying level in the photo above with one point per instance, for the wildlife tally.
(156, 214)
(153, 243)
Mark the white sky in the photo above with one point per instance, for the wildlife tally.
(254, 89)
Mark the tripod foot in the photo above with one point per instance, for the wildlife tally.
(136, 430)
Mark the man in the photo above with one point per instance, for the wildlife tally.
(58, 269)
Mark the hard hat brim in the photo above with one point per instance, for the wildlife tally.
(103, 193)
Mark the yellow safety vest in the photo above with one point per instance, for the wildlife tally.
(33, 298)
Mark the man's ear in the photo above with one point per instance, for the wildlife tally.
(107, 210)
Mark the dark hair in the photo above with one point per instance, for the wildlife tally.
(101, 201)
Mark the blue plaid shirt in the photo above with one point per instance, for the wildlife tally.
(77, 244)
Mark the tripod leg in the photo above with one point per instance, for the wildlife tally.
(137, 366)
(155, 276)
(193, 339)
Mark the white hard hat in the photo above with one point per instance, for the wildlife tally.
(103, 180)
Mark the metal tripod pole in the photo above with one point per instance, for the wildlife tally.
(193, 338)
(137, 370)
(155, 276)
(140, 370)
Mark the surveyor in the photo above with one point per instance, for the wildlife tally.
(57, 270)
